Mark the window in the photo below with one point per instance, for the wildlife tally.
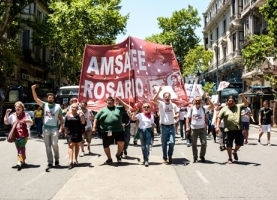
(240, 7)
(247, 26)
(26, 39)
(27, 10)
(206, 43)
(217, 33)
(206, 20)
(224, 25)
(215, 8)
(256, 25)
(224, 49)
(234, 42)
(234, 7)
(39, 15)
(211, 38)
(241, 39)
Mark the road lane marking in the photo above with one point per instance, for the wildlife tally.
(34, 179)
(201, 176)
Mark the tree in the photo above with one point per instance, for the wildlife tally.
(209, 88)
(10, 51)
(197, 60)
(178, 31)
(74, 23)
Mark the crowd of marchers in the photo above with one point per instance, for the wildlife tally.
(117, 122)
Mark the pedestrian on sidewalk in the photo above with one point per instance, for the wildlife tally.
(75, 122)
(265, 121)
(110, 119)
(53, 126)
(22, 121)
(87, 134)
(197, 121)
(145, 130)
(38, 114)
(245, 120)
(231, 114)
(168, 113)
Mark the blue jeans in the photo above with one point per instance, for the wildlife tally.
(38, 122)
(126, 137)
(145, 138)
(168, 136)
(182, 127)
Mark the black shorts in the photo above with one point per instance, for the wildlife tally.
(234, 135)
(116, 137)
(75, 138)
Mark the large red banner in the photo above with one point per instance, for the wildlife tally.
(129, 70)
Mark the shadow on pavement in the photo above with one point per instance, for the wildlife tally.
(245, 163)
(131, 158)
(3, 139)
(27, 166)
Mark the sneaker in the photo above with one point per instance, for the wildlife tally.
(259, 141)
(188, 144)
(146, 163)
(135, 143)
(125, 152)
(202, 159)
(82, 154)
(164, 161)
(195, 160)
(18, 165)
(235, 155)
(75, 162)
(268, 144)
(170, 159)
(118, 158)
(221, 148)
(57, 163)
(70, 165)
(230, 161)
(50, 165)
(108, 162)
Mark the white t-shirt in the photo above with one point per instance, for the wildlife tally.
(167, 112)
(145, 122)
(197, 117)
(245, 118)
(183, 112)
(87, 117)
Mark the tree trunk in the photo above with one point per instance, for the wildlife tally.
(8, 4)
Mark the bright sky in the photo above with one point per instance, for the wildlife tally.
(143, 22)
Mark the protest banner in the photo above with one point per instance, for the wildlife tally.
(129, 70)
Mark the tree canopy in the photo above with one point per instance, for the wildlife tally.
(74, 23)
(197, 60)
(178, 31)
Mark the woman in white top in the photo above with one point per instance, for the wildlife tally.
(145, 130)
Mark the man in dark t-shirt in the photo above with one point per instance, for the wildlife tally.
(110, 119)
(265, 121)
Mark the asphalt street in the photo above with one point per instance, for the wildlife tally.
(252, 177)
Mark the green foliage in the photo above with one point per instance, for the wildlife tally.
(269, 11)
(74, 23)
(209, 88)
(260, 46)
(197, 59)
(178, 31)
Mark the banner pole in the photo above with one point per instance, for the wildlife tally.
(131, 65)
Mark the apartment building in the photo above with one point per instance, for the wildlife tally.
(34, 68)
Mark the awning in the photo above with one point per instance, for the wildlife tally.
(258, 91)
(229, 92)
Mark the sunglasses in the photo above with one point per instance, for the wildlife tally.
(146, 106)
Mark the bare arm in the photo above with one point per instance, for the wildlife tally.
(246, 103)
(61, 122)
(211, 104)
(39, 102)
(260, 120)
(7, 116)
(126, 106)
(155, 100)
(94, 125)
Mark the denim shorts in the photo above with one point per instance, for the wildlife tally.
(245, 125)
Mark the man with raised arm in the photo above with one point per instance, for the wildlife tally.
(53, 124)
(168, 113)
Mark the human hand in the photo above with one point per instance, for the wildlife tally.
(207, 95)
(160, 88)
(34, 87)
(8, 111)
(93, 130)
(241, 95)
(217, 129)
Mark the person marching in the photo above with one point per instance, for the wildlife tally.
(196, 121)
(145, 130)
(74, 123)
(22, 121)
(110, 119)
(38, 113)
(168, 113)
(231, 115)
(53, 125)
(88, 129)
(265, 121)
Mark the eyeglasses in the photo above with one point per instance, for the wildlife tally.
(146, 106)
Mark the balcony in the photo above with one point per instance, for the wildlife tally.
(220, 11)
